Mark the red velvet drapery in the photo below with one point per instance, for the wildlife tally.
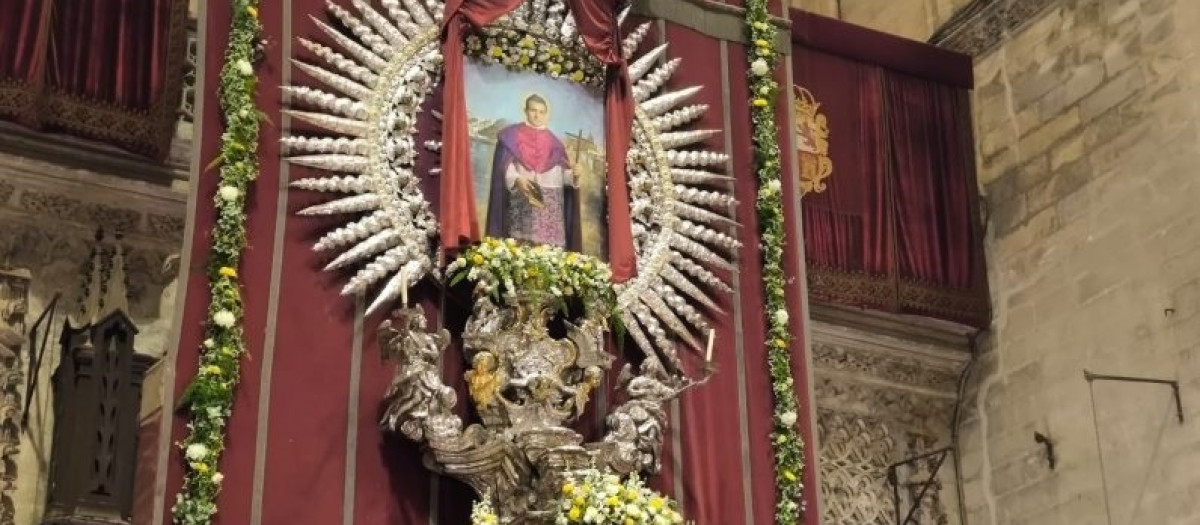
(597, 23)
(897, 229)
(109, 70)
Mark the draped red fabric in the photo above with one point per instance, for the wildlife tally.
(459, 222)
(21, 26)
(847, 225)
(597, 23)
(934, 228)
(107, 70)
(896, 229)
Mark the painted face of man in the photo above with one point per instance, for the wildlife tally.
(536, 114)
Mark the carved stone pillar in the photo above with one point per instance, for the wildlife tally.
(97, 396)
(14, 304)
(885, 392)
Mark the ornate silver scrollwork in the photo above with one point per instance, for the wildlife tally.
(527, 389)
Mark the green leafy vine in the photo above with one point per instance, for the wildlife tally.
(209, 397)
(764, 90)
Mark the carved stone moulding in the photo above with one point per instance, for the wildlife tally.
(981, 25)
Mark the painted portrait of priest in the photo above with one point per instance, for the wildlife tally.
(534, 195)
(537, 157)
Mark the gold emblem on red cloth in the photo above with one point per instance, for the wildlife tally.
(812, 142)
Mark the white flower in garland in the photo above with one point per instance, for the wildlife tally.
(224, 318)
(781, 317)
(787, 418)
(759, 67)
(196, 451)
(244, 67)
(229, 193)
(218, 478)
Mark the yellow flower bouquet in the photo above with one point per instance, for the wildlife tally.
(603, 499)
(505, 269)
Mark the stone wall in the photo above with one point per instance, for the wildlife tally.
(49, 214)
(914, 19)
(1086, 125)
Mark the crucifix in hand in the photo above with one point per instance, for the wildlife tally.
(577, 151)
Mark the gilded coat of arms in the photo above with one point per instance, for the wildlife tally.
(812, 142)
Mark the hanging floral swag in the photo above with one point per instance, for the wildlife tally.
(210, 395)
(789, 446)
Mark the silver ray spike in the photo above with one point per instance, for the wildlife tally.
(359, 184)
(351, 68)
(435, 8)
(420, 15)
(567, 33)
(679, 117)
(326, 101)
(353, 232)
(624, 14)
(403, 20)
(334, 80)
(634, 329)
(372, 245)
(682, 307)
(655, 79)
(389, 293)
(710, 199)
(676, 139)
(332, 162)
(668, 101)
(681, 282)
(700, 273)
(668, 317)
(707, 235)
(377, 44)
(301, 144)
(663, 343)
(380, 23)
(643, 64)
(365, 56)
(693, 176)
(700, 252)
(375, 270)
(701, 215)
(634, 39)
(696, 158)
(410, 273)
(352, 204)
(341, 125)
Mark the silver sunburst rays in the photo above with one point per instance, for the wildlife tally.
(369, 83)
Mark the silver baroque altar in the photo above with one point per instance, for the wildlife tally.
(527, 388)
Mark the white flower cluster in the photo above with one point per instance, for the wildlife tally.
(525, 51)
(597, 498)
(502, 268)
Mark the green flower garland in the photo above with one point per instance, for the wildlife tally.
(210, 396)
(789, 446)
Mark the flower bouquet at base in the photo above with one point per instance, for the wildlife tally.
(593, 497)
(509, 272)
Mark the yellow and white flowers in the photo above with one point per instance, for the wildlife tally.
(505, 269)
(602, 499)
(528, 52)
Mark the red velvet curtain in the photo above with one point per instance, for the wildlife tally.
(934, 189)
(107, 70)
(897, 228)
(597, 24)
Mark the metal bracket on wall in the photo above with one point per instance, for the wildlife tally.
(1092, 377)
